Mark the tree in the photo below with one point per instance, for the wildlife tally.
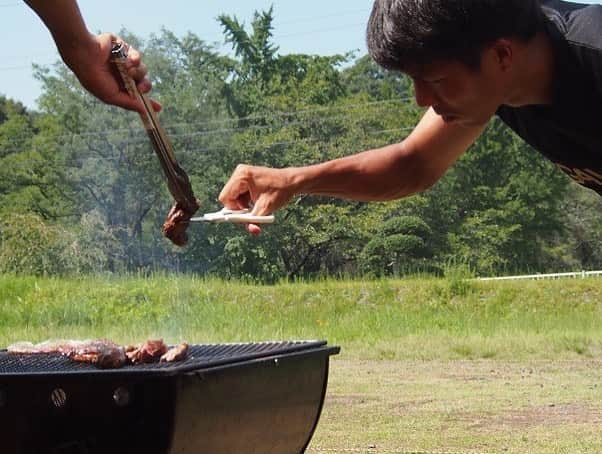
(503, 204)
(400, 245)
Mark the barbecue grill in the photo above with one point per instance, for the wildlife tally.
(223, 398)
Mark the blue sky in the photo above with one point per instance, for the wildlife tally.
(308, 26)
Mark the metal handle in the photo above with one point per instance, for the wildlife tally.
(177, 180)
(119, 56)
(249, 219)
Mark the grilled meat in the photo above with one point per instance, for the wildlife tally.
(29, 348)
(104, 353)
(148, 352)
(176, 223)
(177, 353)
(104, 356)
(62, 346)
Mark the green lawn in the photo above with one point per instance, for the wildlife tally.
(427, 365)
(459, 406)
(388, 319)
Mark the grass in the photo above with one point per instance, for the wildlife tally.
(387, 319)
(459, 406)
(427, 365)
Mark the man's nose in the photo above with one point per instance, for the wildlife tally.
(424, 95)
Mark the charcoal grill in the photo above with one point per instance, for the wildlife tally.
(224, 398)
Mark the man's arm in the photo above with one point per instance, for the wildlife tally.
(88, 55)
(64, 21)
(382, 174)
(394, 171)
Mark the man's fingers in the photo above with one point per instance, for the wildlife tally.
(144, 85)
(123, 99)
(156, 105)
(253, 229)
(138, 73)
(260, 209)
(134, 57)
(237, 204)
(235, 194)
(241, 191)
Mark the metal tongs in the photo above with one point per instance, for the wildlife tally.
(234, 216)
(177, 180)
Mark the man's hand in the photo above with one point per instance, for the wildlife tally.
(89, 55)
(91, 63)
(264, 188)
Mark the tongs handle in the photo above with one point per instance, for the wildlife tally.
(178, 182)
(119, 56)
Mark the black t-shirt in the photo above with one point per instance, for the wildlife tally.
(569, 131)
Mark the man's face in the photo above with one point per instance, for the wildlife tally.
(459, 93)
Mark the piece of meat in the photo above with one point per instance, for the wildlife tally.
(148, 352)
(177, 353)
(49, 346)
(176, 223)
(104, 353)
(104, 356)
(62, 346)
(112, 358)
(22, 348)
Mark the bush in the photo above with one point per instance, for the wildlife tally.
(29, 245)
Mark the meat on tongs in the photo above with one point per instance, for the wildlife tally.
(178, 183)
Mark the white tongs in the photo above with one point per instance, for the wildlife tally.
(234, 216)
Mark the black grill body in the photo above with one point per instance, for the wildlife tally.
(226, 398)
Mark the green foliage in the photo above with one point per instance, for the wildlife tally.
(28, 245)
(413, 318)
(399, 246)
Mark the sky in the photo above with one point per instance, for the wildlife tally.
(322, 27)
(308, 26)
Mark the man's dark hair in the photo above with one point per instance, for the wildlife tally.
(403, 34)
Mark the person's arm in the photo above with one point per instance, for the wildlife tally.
(382, 174)
(88, 55)
(394, 171)
(64, 21)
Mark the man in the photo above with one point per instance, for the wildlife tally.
(88, 55)
(536, 65)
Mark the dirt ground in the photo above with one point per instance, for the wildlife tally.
(487, 406)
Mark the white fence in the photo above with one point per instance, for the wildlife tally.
(581, 274)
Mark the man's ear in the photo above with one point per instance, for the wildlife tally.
(503, 53)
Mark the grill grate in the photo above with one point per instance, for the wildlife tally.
(199, 357)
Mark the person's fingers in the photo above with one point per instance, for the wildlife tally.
(123, 99)
(138, 73)
(144, 85)
(241, 191)
(226, 198)
(236, 190)
(253, 229)
(134, 58)
(244, 200)
(156, 105)
(240, 203)
(261, 207)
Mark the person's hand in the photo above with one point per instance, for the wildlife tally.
(263, 188)
(91, 63)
